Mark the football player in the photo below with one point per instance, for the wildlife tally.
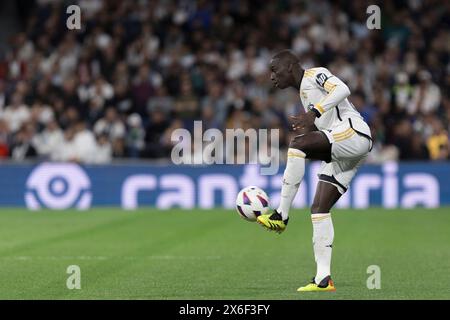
(331, 130)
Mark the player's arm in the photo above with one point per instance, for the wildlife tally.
(336, 91)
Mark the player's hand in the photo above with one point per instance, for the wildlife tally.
(304, 122)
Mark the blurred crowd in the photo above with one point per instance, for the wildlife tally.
(138, 70)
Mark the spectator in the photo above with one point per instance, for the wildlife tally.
(51, 138)
(402, 139)
(21, 146)
(101, 91)
(110, 125)
(402, 93)
(16, 113)
(217, 102)
(122, 98)
(103, 152)
(85, 143)
(66, 150)
(438, 143)
(427, 95)
(187, 105)
(159, 123)
(142, 88)
(135, 139)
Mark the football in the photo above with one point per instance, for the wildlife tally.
(252, 202)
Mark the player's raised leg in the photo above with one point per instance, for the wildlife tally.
(311, 145)
(323, 235)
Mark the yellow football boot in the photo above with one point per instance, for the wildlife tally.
(273, 222)
(326, 285)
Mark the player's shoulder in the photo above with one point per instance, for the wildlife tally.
(318, 75)
(314, 72)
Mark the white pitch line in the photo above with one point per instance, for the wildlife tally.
(164, 257)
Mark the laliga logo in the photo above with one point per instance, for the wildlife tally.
(58, 186)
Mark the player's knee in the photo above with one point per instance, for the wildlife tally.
(315, 208)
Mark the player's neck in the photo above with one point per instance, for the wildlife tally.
(298, 76)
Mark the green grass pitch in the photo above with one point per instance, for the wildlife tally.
(214, 254)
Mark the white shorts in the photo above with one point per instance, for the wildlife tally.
(349, 150)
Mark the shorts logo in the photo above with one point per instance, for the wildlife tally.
(321, 78)
(58, 186)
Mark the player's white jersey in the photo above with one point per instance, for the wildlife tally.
(327, 94)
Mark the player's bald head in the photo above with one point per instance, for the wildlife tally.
(285, 57)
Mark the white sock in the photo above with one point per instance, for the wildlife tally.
(292, 177)
(323, 235)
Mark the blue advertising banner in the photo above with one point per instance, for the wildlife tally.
(68, 185)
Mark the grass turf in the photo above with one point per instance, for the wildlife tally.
(214, 254)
